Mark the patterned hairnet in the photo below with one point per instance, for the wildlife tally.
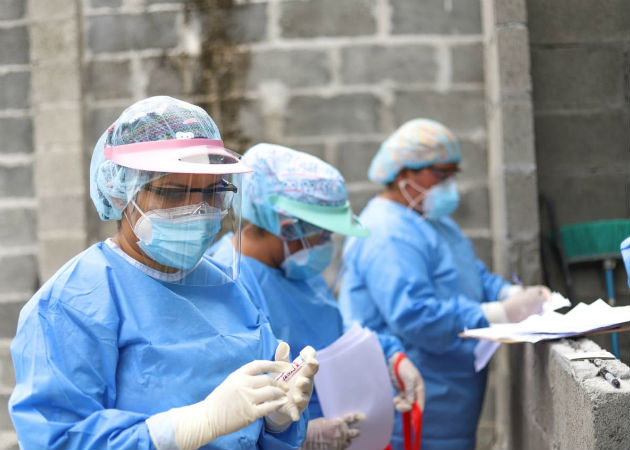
(153, 119)
(289, 173)
(416, 144)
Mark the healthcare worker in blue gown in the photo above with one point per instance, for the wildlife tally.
(141, 342)
(417, 277)
(293, 201)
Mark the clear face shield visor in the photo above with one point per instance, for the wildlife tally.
(173, 219)
(176, 219)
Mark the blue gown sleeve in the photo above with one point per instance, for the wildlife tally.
(65, 390)
(491, 283)
(390, 344)
(398, 277)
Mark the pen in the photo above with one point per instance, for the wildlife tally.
(516, 280)
(606, 374)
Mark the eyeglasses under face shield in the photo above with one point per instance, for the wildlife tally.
(292, 229)
(219, 195)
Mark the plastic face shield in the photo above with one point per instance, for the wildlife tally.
(176, 216)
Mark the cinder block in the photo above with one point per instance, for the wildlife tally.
(517, 133)
(467, 63)
(342, 114)
(108, 79)
(62, 212)
(5, 419)
(513, 53)
(116, 33)
(54, 40)
(436, 17)
(400, 63)
(7, 374)
(230, 23)
(18, 227)
(473, 210)
(15, 45)
(578, 77)
(315, 18)
(474, 165)
(38, 10)
(173, 75)
(60, 174)
(54, 253)
(17, 135)
(16, 181)
(111, 3)
(354, 158)
(358, 199)
(524, 259)
(587, 198)
(318, 150)
(11, 9)
(19, 275)
(8, 440)
(240, 122)
(462, 111)
(99, 119)
(57, 127)
(57, 82)
(15, 89)
(573, 21)
(293, 68)
(509, 11)
(582, 144)
(521, 202)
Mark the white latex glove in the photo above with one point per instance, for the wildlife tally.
(414, 384)
(245, 395)
(332, 434)
(518, 306)
(300, 388)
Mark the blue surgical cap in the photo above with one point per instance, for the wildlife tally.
(281, 171)
(113, 186)
(416, 144)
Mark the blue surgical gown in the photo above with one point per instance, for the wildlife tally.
(301, 312)
(102, 346)
(420, 280)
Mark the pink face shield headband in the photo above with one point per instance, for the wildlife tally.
(195, 156)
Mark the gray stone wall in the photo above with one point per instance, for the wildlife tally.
(564, 404)
(580, 67)
(18, 218)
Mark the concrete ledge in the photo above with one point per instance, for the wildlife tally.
(561, 404)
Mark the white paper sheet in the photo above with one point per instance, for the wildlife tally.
(581, 319)
(354, 378)
(483, 352)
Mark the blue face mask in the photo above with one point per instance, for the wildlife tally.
(178, 237)
(307, 262)
(625, 254)
(438, 201)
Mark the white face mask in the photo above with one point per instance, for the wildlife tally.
(438, 201)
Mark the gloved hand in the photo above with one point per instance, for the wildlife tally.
(332, 434)
(413, 384)
(523, 304)
(518, 306)
(300, 388)
(245, 395)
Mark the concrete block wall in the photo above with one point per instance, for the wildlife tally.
(18, 218)
(565, 404)
(580, 68)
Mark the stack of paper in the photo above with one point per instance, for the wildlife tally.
(581, 319)
(353, 377)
